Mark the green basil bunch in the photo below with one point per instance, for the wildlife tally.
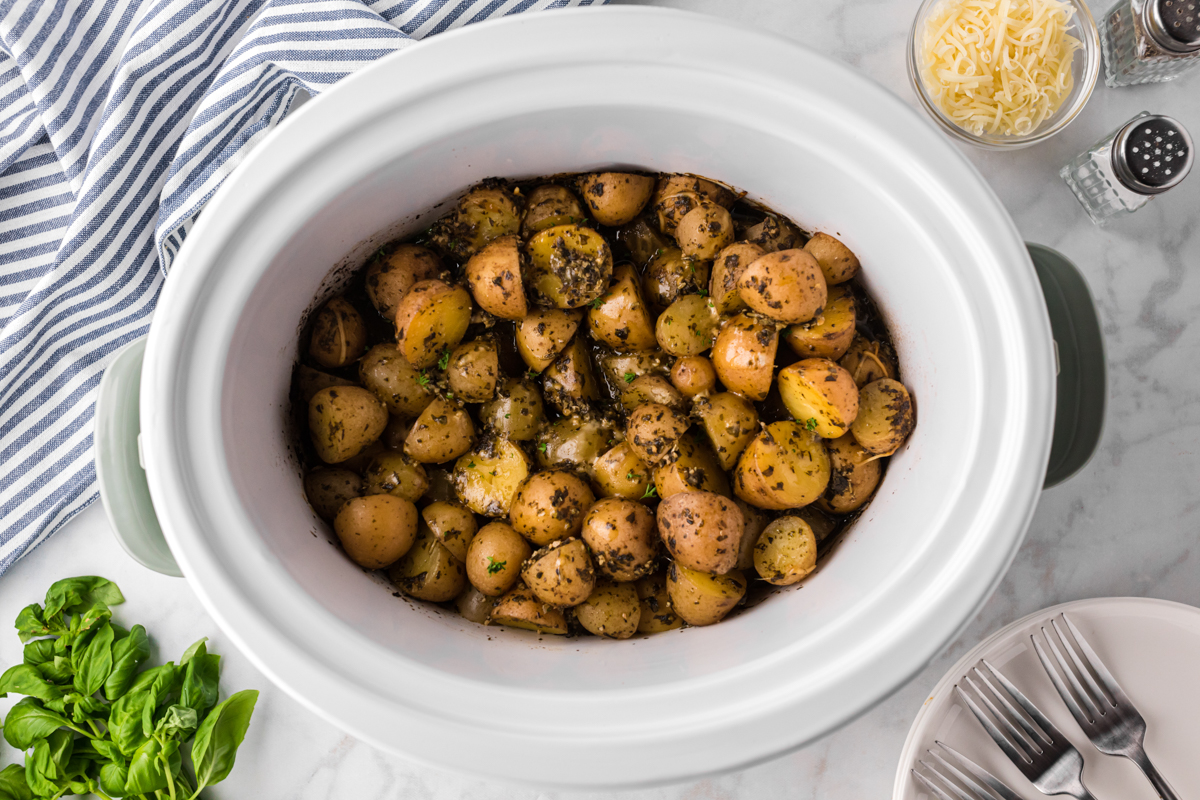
(94, 722)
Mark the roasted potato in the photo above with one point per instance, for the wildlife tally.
(693, 375)
(676, 195)
(730, 423)
(550, 505)
(520, 608)
(621, 535)
(855, 474)
(494, 558)
(393, 473)
(308, 381)
(688, 327)
(621, 370)
(693, 468)
(376, 531)
(494, 276)
(561, 574)
(569, 266)
(339, 334)
(484, 214)
(644, 240)
(885, 416)
(773, 234)
(726, 268)
(343, 421)
(656, 614)
(829, 334)
(429, 571)
(474, 605)
(701, 530)
(651, 389)
(486, 480)
(620, 317)
(443, 432)
(669, 275)
(545, 333)
(704, 231)
(786, 551)
(433, 316)
(754, 520)
(819, 394)
(612, 610)
(550, 205)
(785, 466)
(328, 490)
(473, 370)
(569, 383)
(620, 473)
(652, 431)
(838, 264)
(868, 361)
(452, 524)
(387, 373)
(615, 198)
(516, 412)
(573, 442)
(786, 286)
(700, 598)
(744, 356)
(390, 276)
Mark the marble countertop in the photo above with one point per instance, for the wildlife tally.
(1126, 525)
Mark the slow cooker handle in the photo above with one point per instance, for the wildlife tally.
(1079, 350)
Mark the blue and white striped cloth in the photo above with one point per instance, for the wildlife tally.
(118, 120)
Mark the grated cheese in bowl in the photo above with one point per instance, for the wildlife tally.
(998, 67)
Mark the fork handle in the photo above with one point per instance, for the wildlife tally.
(1160, 784)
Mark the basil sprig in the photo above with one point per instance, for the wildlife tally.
(92, 721)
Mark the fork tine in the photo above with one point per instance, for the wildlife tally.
(974, 781)
(1110, 683)
(1056, 679)
(1048, 729)
(1097, 696)
(1082, 695)
(1030, 748)
(1036, 736)
(941, 794)
(1018, 757)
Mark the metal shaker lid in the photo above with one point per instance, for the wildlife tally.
(1174, 24)
(1151, 154)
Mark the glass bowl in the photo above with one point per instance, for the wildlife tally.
(1085, 70)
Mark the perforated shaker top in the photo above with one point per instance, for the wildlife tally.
(1180, 20)
(1152, 154)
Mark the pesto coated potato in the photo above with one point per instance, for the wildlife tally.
(474, 605)
(830, 333)
(339, 334)
(387, 373)
(693, 375)
(393, 473)
(484, 214)
(786, 551)
(328, 490)
(754, 521)
(550, 505)
(854, 475)
(520, 608)
(612, 610)
(569, 266)
(621, 473)
(620, 318)
(693, 468)
(376, 531)
(390, 276)
(494, 558)
(443, 432)
(744, 356)
(516, 412)
(669, 275)
(622, 537)
(653, 430)
(838, 264)
(868, 361)
(343, 421)
(494, 275)
(704, 231)
(561, 574)
(543, 334)
(656, 613)
(429, 571)
(652, 389)
(786, 286)
(774, 234)
(700, 598)
(701, 530)
(644, 240)
(688, 327)
(473, 370)
(486, 479)
(730, 423)
(432, 317)
(307, 381)
(569, 384)
(615, 198)
(784, 467)
(726, 268)
(550, 205)
(573, 442)
(885, 416)
(820, 394)
(452, 524)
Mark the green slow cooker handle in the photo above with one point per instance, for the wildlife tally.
(1079, 349)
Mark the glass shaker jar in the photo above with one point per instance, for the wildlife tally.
(1147, 41)
(1118, 175)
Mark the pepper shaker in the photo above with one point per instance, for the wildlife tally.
(1121, 173)
(1147, 41)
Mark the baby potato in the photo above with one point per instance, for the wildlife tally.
(688, 327)
(569, 383)
(621, 370)
(573, 442)
(784, 467)
(819, 394)
(615, 198)
(376, 531)
(474, 605)
(726, 268)
(753, 523)
(829, 334)
(620, 318)
(704, 231)
(494, 277)
(644, 240)
(855, 476)
(473, 370)
(545, 333)
(730, 423)
(328, 490)
(838, 264)
(868, 361)
(443, 432)
(550, 505)
(744, 356)
(620, 473)
(520, 608)
(516, 412)
(885, 417)
(675, 195)
(786, 285)
(702, 530)
(693, 468)
(774, 234)
(693, 375)
(339, 335)
(561, 574)
(569, 266)
(343, 421)
(669, 275)
(391, 276)
(671, 207)
(484, 214)
(621, 535)
(452, 524)
(392, 473)
(429, 571)
(387, 373)
(549, 205)
(700, 598)
(487, 479)
(308, 381)
(652, 431)
(612, 610)
(652, 389)
(433, 316)
(786, 551)
(494, 558)
(656, 614)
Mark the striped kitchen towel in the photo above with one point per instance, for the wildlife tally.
(118, 120)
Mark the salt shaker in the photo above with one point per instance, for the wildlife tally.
(1147, 41)
(1118, 175)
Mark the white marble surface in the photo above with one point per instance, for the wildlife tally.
(1126, 525)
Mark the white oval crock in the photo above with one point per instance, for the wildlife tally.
(570, 91)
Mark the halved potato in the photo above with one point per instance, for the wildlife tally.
(622, 537)
(433, 316)
(619, 318)
(543, 334)
(644, 240)
(868, 361)
(885, 416)
(387, 373)
(516, 412)
(652, 389)
(486, 479)
(473, 370)
(688, 327)
(307, 381)
(328, 490)
(612, 610)
(452, 524)
(837, 262)
(652, 431)
(820, 395)
(726, 268)
(520, 608)
(786, 286)
(429, 571)
(730, 422)
(569, 265)
(339, 334)
(621, 473)
(656, 614)
(474, 605)
(615, 198)
(484, 214)
(494, 558)
(549, 205)
(703, 599)
(569, 383)
(701, 530)
(784, 467)
(786, 551)
(343, 421)
(669, 275)
(390, 276)
(561, 574)
(494, 275)
(855, 476)
(774, 234)
(675, 195)
(574, 442)
(393, 473)
(704, 231)
(443, 432)
(744, 355)
(754, 520)
(693, 469)
(550, 505)
(621, 370)
(829, 334)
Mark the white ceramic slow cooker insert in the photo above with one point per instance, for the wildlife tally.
(572, 91)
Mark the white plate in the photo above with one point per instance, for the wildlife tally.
(1152, 648)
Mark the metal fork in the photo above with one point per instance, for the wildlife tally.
(1109, 720)
(1040, 751)
(975, 783)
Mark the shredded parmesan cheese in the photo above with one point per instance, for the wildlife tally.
(1000, 67)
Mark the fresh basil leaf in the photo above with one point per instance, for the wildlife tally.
(125, 721)
(71, 594)
(13, 785)
(85, 707)
(31, 623)
(104, 749)
(112, 779)
(39, 652)
(196, 648)
(62, 747)
(179, 721)
(165, 686)
(94, 667)
(24, 679)
(150, 764)
(28, 721)
(128, 654)
(200, 682)
(58, 670)
(146, 679)
(83, 628)
(220, 735)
